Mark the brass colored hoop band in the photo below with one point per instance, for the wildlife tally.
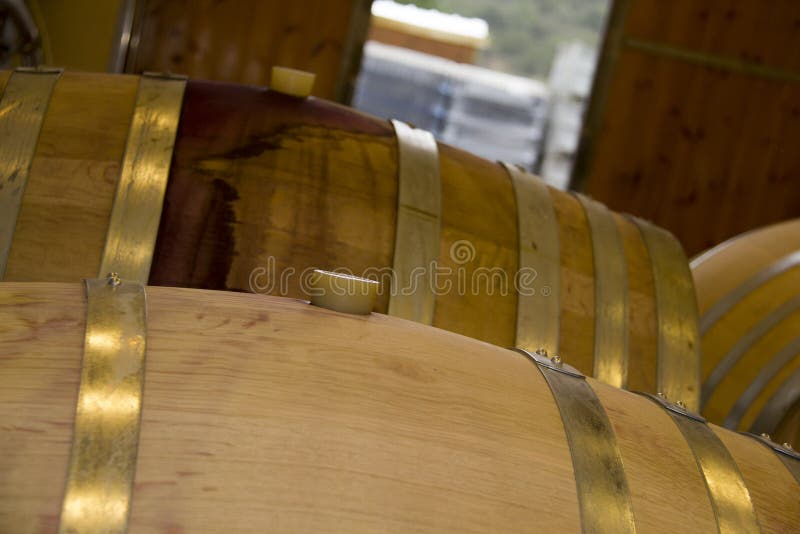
(416, 245)
(678, 374)
(610, 295)
(730, 499)
(107, 419)
(773, 364)
(728, 301)
(767, 322)
(539, 253)
(135, 216)
(603, 493)
(22, 111)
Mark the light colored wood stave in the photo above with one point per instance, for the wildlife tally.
(318, 434)
(265, 411)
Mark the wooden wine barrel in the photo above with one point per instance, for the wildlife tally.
(748, 291)
(263, 186)
(264, 413)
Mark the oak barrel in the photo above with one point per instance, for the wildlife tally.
(268, 414)
(748, 291)
(263, 186)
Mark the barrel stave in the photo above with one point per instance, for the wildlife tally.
(747, 294)
(62, 223)
(643, 342)
(264, 186)
(576, 341)
(263, 411)
(479, 220)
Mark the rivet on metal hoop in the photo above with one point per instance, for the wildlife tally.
(766, 436)
(113, 279)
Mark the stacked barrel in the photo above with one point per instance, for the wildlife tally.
(750, 318)
(260, 413)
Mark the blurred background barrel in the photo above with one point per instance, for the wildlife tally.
(750, 328)
(265, 411)
(230, 40)
(264, 186)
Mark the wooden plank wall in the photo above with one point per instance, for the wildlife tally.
(694, 120)
(240, 40)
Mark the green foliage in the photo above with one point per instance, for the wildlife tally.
(526, 33)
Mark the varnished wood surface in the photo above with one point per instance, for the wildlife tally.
(720, 272)
(703, 150)
(265, 411)
(240, 41)
(260, 180)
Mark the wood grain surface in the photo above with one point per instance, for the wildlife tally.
(62, 224)
(695, 119)
(265, 187)
(267, 413)
(240, 40)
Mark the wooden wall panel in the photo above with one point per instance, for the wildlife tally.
(693, 121)
(240, 40)
(751, 30)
